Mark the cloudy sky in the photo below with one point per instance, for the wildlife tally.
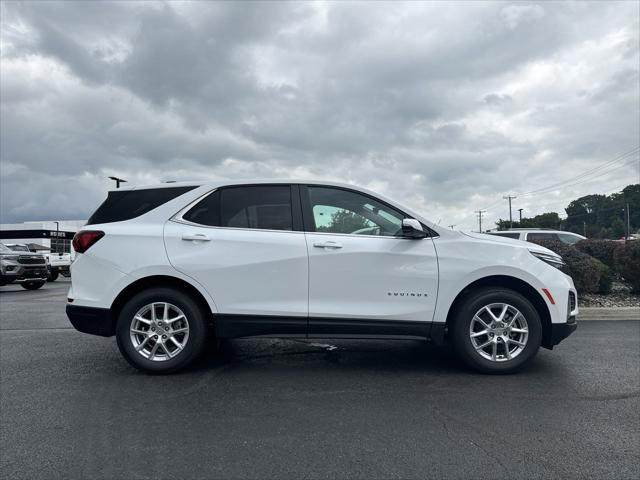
(444, 106)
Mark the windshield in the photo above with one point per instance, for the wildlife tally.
(4, 248)
(19, 248)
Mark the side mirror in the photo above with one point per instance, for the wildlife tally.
(411, 228)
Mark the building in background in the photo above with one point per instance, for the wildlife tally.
(53, 235)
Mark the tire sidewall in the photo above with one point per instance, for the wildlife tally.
(468, 309)
(195, 318)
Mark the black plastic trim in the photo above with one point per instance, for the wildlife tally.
(235, 326)
(92, 320)
(366, 328)
(560, 331)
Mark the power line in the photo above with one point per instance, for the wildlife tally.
(599, 169)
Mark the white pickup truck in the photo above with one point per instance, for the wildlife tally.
(57, 262)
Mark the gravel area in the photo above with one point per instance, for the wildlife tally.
(620, 296)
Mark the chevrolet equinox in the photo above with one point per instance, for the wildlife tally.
(162, 267)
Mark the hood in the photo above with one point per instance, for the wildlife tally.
(534, 247)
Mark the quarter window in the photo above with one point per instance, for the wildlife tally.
(540, 237)
(507, 235)
(343, 211)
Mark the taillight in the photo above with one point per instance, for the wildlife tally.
(85, 238)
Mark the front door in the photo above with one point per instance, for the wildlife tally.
(363, 274)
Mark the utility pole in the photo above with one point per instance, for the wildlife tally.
(628, 223)
(480, 212)
(510, 197)
(584, 228)
(520, 212)
(118, 181)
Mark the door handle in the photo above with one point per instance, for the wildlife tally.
(197, 237)
(327, 245)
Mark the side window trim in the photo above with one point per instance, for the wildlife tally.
(307, 211)
(296, 209)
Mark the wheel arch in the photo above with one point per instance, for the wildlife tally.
(512, 283)
(155, 281)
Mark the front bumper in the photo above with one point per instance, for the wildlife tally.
(92, 320)
(19, 273)
(560, 331)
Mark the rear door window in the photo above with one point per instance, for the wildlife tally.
(568, 238)
(265, 207)
(127, 204)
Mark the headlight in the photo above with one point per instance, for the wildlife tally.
(553, 260)
(11, 258)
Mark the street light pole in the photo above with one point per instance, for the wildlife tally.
(57, 236)
(118, 181)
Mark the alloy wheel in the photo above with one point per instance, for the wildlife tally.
(159, 331)
(499, 332)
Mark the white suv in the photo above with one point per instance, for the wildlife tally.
(539, 234)
(160, 267)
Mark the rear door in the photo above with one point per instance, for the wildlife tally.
(364, 276)
(245, 244)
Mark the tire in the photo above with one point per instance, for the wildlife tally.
(32, 285)
(520, 316)
(53, 276)
(167, 358)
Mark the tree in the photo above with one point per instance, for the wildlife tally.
(544, 220)
(345, 221)
(599, 216)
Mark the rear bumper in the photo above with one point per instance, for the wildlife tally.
(560, 331)
(92, 320)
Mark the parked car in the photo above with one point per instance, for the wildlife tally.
(27, 269)
(57, 262)
(539, 234)
(159, 267)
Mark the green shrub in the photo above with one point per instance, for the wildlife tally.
(627, 263)
(603, 250)
(606, 278)
(585, 270)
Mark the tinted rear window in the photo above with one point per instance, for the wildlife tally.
(265, 207)
(128, 204)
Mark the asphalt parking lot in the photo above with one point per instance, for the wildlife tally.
(73, 408)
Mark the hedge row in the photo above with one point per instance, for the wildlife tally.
(593, 263)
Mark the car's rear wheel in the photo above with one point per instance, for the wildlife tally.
(161, 330)
(32, 285)
(496, 330)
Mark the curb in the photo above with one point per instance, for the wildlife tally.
(609, 313)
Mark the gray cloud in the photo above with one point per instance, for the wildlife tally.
(446, 107)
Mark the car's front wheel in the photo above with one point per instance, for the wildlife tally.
(496, 330)
(161, 330)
